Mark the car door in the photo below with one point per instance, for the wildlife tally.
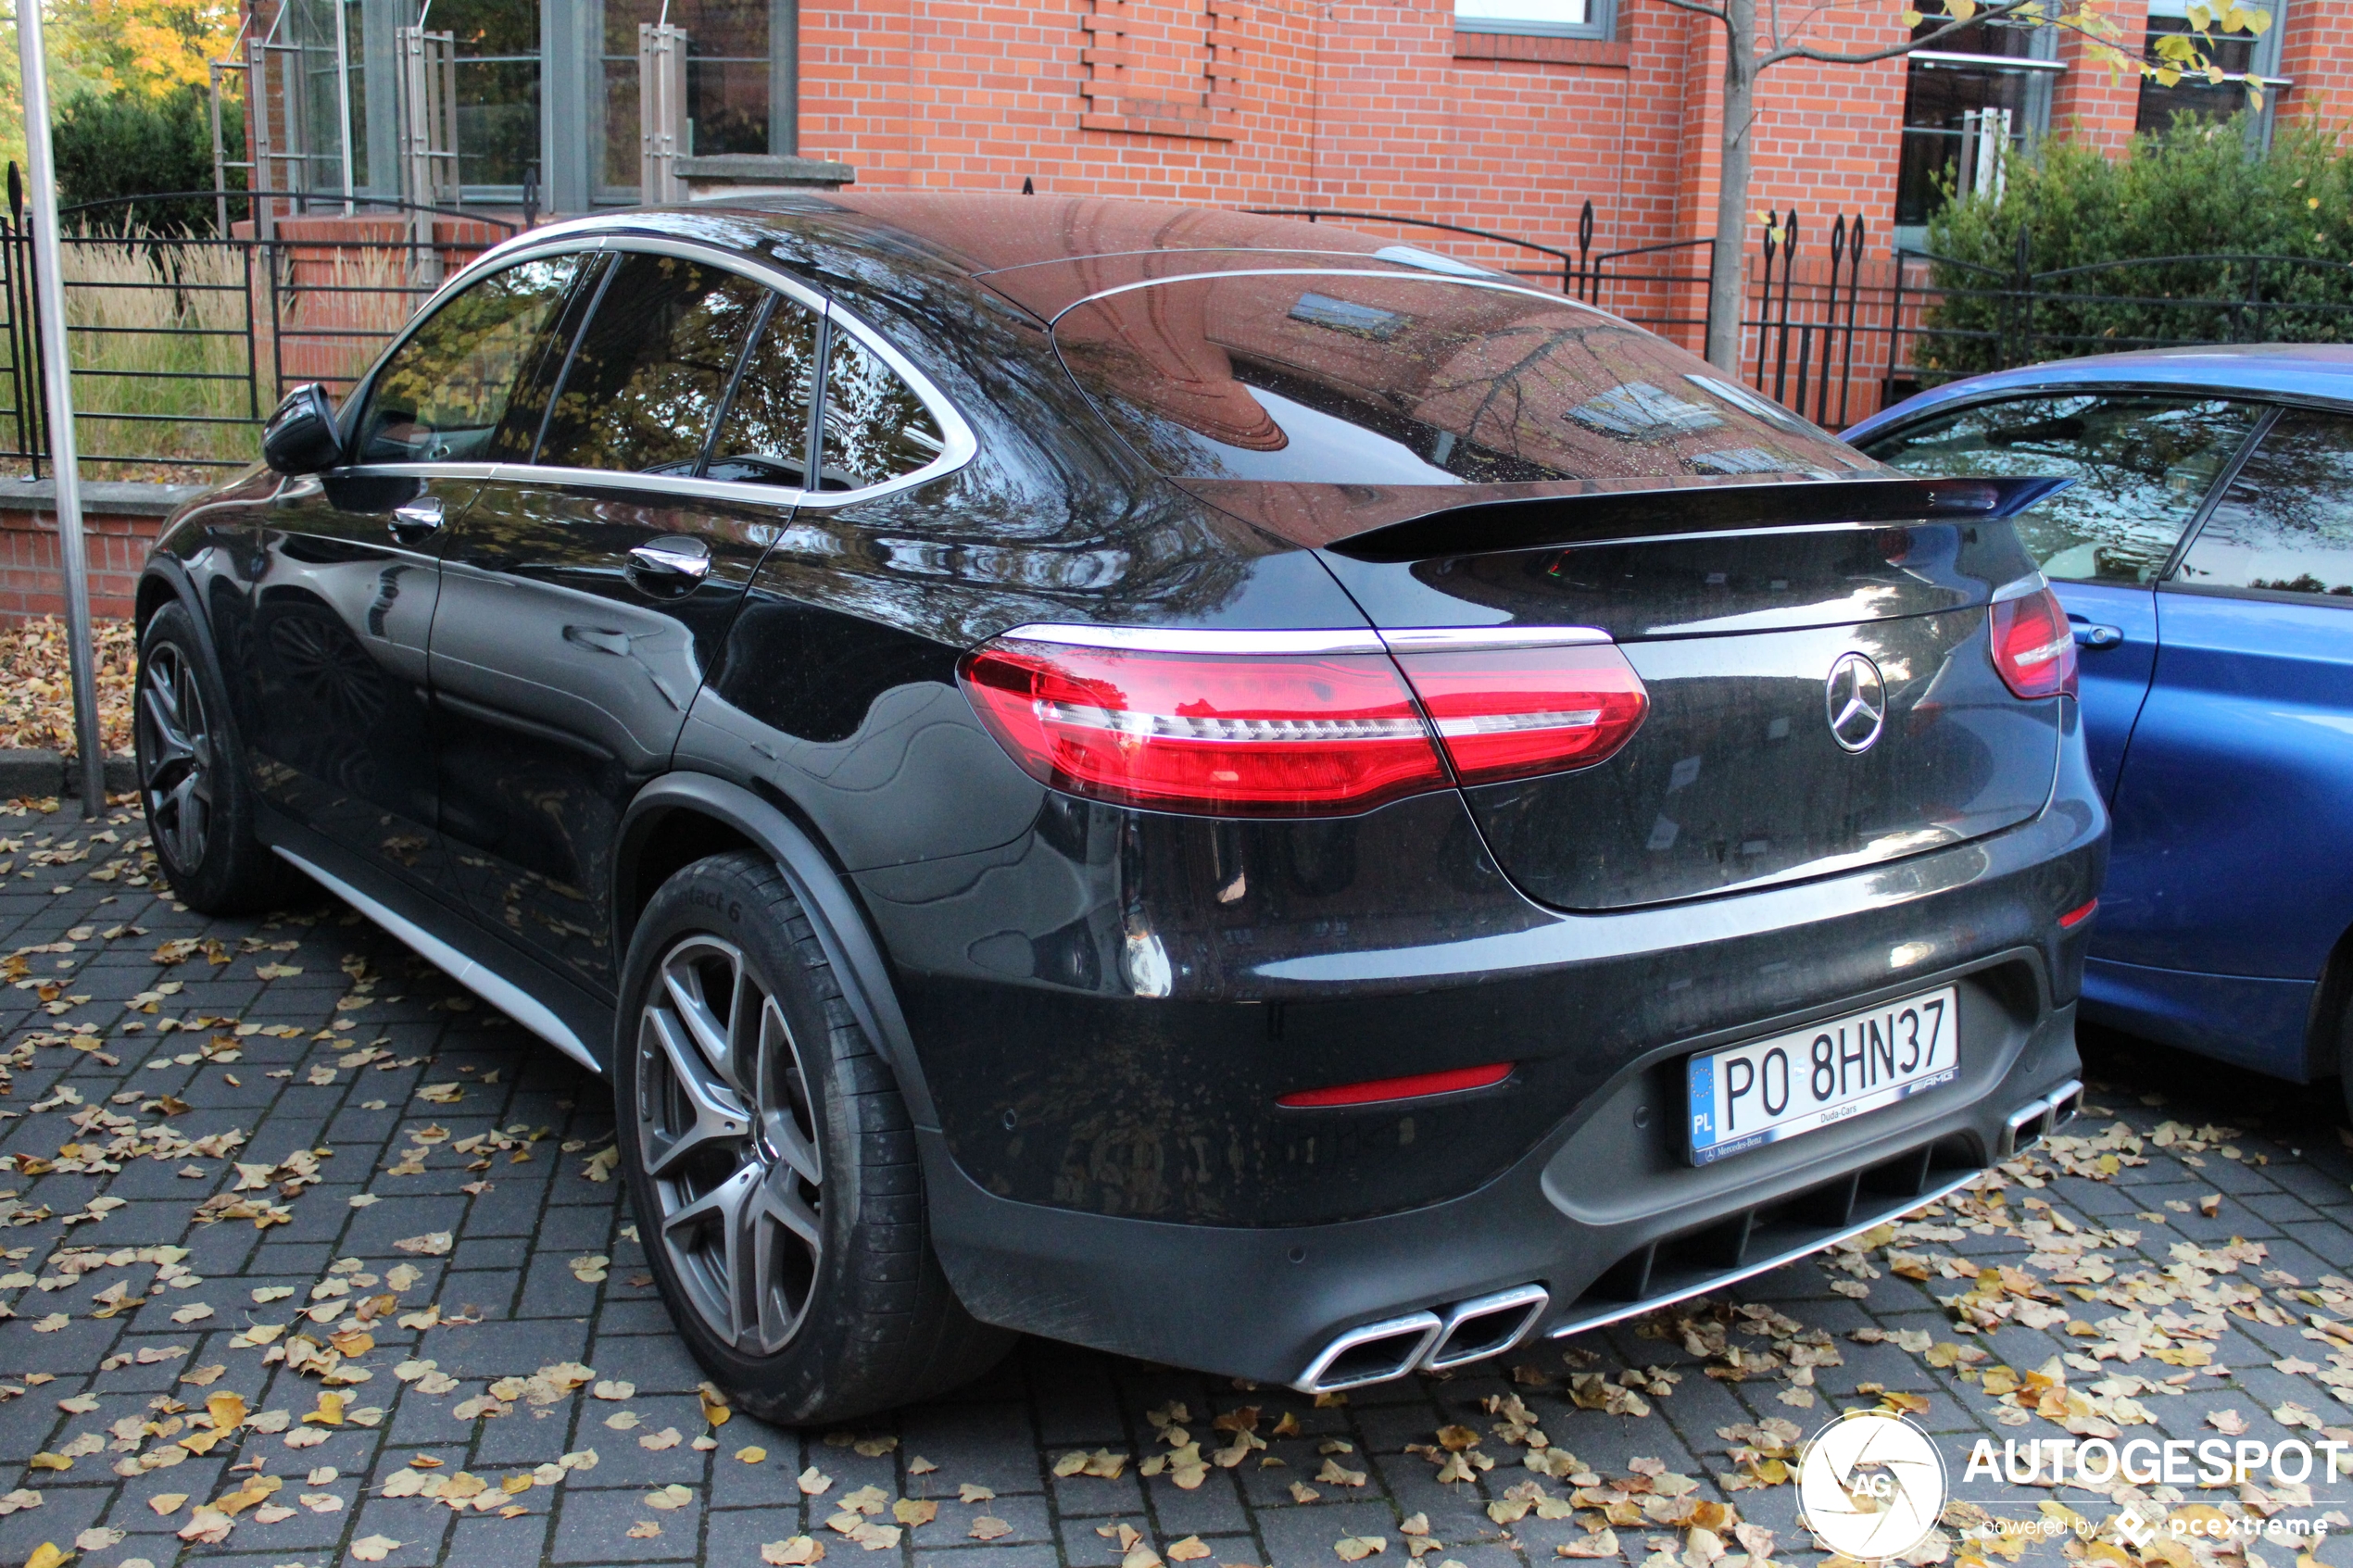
(333, 655)
(2143, 464)
(585, 594)
(2236, 802)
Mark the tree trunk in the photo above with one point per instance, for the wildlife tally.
(1725, 299)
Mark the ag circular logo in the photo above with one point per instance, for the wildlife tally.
(1856, 699)
(1872, 1486)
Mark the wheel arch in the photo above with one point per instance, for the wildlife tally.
(681, 817)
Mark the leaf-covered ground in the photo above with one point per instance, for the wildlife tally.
(36, 693)
(308, 1257)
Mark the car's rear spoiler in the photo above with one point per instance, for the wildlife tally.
(1540, 521)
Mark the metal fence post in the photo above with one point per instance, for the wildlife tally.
(1789, 270)
(1764, 293)
(1854, 293)
(2021, 310)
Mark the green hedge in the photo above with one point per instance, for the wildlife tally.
(2193, 190)
(131, 144)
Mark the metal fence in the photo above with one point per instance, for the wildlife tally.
(182, 344)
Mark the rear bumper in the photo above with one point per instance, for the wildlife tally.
(1108, 1164)
(1266, 1302)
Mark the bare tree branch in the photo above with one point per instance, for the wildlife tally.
(1894, 51)
(1714, 12)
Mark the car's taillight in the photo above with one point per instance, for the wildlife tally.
(1508, 713)
(2033, 647)
(1228, 735)
(1294, 723)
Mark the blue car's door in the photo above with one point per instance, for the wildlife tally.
(2143, 464)
(2235, 804)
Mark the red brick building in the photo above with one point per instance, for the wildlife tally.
(1501, 115)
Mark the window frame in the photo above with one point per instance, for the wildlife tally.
(1600, 22)
(2264, 408)
(2274, 408)
(351, 414)
(960, 447)
(2264, 61)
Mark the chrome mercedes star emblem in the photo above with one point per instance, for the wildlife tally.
(1856, 699)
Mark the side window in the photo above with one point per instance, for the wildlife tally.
(440, 396)
(764, 438)
(875, 428)
(2142, 465)
(651, 367)
(2286, 523)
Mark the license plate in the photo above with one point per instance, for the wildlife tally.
(1744, 1097)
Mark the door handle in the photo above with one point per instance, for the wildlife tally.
(672, 562)
(414, 520)
(2091, 636)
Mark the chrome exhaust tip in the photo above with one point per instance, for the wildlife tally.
(1486, 1326)
(1372, 1353)
(2028, 1124)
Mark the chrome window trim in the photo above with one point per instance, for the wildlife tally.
(1220, 640)
(1165, 639)
(1472, 639)
(1497, 285)
(960, 444)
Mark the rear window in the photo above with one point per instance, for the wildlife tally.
(1375, 380)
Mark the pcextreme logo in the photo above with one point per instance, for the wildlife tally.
(1872, 1486)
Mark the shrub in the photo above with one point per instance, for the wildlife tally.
(132, 145)
(2193, 191)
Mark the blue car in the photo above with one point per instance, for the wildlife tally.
(2205, 558)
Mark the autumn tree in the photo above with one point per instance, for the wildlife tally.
(111, 48)
(1761, 36)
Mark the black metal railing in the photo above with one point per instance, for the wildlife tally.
(1956, 318)
(181, 344)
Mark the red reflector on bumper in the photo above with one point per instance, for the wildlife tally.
(2074, 918)
(1375, 1090)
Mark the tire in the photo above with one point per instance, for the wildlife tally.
(772, 1162)
(193, 783)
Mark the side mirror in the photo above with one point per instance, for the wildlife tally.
(301, 437)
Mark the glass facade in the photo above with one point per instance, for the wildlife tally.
(546, 92)
(1976, 94)
(2195, 95)
(727, 81)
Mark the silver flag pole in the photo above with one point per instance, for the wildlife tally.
(56, 374)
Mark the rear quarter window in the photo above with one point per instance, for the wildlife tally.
(1372, 378)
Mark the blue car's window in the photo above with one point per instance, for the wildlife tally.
(2285, 524)
(2141, 465)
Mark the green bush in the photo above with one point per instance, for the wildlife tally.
(133, 145)
(2194, 190)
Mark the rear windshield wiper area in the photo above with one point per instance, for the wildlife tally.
(1541, 521)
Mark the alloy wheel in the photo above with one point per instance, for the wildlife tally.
(728, 1133)
(175, 756)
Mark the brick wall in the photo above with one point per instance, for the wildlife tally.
(119, 523)
(1346, 105)
(2316, 56)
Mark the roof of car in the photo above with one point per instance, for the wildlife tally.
(1046, 251)
(2319, 370)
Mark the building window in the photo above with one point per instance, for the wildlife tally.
(498, 69)
(1544, 18)
(728, 87)
(1979, 92)
(2194, 95)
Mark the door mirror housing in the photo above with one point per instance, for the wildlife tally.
(301, 437)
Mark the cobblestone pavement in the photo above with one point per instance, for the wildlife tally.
(268, 1104)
